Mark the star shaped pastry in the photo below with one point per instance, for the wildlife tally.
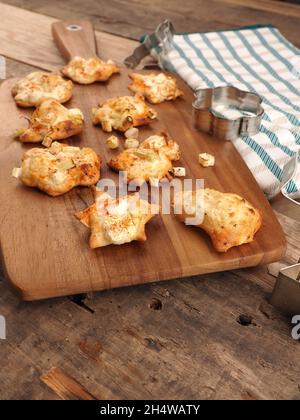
(116, 220)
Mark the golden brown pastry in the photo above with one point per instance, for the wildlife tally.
(122, 113)
(116, 221)
(87, 71)
(51, 121)
(156, 87)
(229, 219)
(33, 89)
(59, 169)
(151, 160)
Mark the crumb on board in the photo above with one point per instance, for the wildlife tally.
(206, 160)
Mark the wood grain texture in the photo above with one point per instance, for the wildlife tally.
(66, 387)
(135, 17)
(18, 43)
(281, 7)
(191, 348)
(45, 249)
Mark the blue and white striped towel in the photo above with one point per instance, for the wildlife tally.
(258, 59)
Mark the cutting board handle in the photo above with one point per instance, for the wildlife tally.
(75, 38)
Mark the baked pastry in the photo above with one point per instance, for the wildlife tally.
(87, 71)
(33, 89)
(51, 121)
(122, 113)
(156, 87)
(116, 221)
(59, 169)
(151, 160)
(228, 219)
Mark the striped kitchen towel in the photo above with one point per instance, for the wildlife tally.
(257, 59)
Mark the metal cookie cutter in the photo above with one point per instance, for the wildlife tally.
(227, 112)
(160, 40)
(286, 294)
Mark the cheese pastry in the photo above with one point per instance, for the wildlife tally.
(51, 121)
(33, 89)
(116, 221)
(151, 160)
(228, 219)
(156, 87)
(122, 113)
(87, 71)
(59, 169)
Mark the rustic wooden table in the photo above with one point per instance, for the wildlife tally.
(178, 339)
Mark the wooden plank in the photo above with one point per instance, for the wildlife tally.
(17, 69)
(66, 387)
(134, 18)
(285, 8)
(52, 253)
(283, 205)
(193, 347)
(18, 43)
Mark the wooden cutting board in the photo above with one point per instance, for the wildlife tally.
(45, 250)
